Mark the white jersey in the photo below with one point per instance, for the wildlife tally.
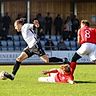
(29, 35)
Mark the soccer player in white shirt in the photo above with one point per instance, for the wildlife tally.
(34, 47)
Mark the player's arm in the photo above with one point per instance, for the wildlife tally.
(50, 71)
(95, 30)
(78, 37)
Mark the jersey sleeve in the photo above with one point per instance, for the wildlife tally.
(95, 30)
(31, 26)
(79, 36)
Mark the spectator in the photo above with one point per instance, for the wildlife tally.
(65, 34)
(6, 20)
(49, 45)
(41, 34)
(18, 16)
(62, 45)
(75, 26)
(41, 19)
(1, 32)
(58, 22)
(67, 28)
(39, 31)
(48, 24)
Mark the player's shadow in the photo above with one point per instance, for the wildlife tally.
(85, 82)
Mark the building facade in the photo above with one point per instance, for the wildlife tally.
(84, 9)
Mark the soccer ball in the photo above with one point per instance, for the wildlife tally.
(2, 77)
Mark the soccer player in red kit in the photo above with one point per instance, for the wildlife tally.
(87, 40)
(64, 74)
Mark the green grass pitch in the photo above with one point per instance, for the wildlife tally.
(26, 84)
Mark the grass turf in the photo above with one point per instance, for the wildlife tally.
(26, 84)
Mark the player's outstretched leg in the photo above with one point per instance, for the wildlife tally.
(9, 76)
(15, 69)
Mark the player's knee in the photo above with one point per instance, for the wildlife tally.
(18, 59)
(46, 60)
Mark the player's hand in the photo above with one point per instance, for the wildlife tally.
(44, 72)
(71, 82)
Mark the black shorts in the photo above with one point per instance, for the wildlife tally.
(35, 50)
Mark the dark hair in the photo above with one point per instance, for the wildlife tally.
(67, 69)
(85, 22)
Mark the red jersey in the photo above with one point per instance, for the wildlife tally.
(87, 35)
(64, 77)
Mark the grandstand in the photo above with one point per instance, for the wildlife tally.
(16, 43)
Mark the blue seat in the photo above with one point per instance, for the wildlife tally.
(16, 38)
(16, 43)
(67, 43)
(23, 43)
(4, 48)
(46, 36)
(73, 45)
(53, 38)
(42, 43)
(58, 38)
(17, 48)
(4, 43)
(10, 43)
(10, 48)
(21, 38)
